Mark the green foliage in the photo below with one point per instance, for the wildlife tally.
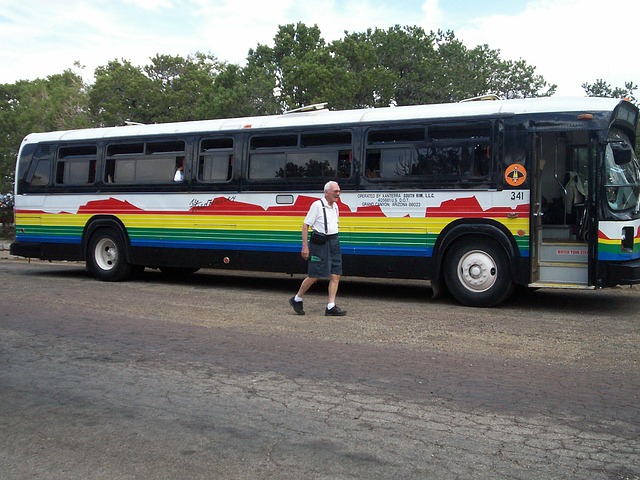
(58, 102)
(360, 80)
(600, 88)
(121, 93)
(172, 89)
(299, 66)
(398, 66)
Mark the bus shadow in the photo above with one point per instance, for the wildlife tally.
(575, 302)
(557, 300)
(279, 283)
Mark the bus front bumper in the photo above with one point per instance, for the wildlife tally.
(627, 273)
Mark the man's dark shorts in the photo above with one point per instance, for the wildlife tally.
(325, 260)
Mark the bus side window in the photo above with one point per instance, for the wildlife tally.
(215, 167)
(460, 152)
(143, 163)
(41, 173)
(481, 161)
(307, 156)
(372, 164)
(215, 162)
(345, 161)
(109, 171)
(393, 153)
(76, 165)
(38, 167)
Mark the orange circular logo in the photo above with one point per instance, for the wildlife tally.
(515, 175)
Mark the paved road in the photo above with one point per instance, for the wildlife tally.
(213, 377)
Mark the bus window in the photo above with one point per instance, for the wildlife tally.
(41, 173)
(36, 168)
(405, 135)
(395, 153)
(460, 151)
(345, 162)
(76, 165)
(143, 163)
(400, 162)
(325, 144)
(448, 153)
(310, 164)
(372, 164)
(325, 139)
(622, 182)
(155, 170)
(317, 155)
(215, 162)
(274, 141)
(264, 166)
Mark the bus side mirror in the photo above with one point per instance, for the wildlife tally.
(621, 153)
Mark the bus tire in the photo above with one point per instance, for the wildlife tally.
(106, 258)
(478, 272)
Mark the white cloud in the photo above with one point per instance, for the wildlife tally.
(150, 4)
(569, 41)
(433, 16)
(229, 28)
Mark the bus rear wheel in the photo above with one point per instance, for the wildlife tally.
(106, 256)
(478, 273)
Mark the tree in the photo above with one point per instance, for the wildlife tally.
(410, 54)
(300, 66)
(600, 88)
(239, 92)
(185, 88)
(170, 89)
(121, 92)
(407, 66)
(360, 80)
(58, 102)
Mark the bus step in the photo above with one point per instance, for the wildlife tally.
(574, 286)
(563, 252)
(569, 273)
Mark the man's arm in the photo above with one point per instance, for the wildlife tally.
(305, 242)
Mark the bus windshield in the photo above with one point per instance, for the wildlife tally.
(622, 174)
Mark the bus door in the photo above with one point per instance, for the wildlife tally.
(537, 207)
(560, 255)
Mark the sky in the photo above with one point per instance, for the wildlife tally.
(569, 42)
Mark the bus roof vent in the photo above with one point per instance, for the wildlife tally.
(482, 98)
(308, 108)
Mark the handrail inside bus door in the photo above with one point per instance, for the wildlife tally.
(555, 175)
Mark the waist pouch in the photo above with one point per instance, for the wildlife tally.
(320, 238)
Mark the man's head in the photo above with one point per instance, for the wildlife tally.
(332, 191)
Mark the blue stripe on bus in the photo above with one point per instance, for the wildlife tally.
(617, 257)
(72, 240)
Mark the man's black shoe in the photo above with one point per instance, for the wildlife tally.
(297, 306)
(336, 311)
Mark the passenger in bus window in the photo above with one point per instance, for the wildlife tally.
(179, 175)
(322, 251)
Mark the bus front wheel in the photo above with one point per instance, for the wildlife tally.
(478, 273)
(106, 256)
